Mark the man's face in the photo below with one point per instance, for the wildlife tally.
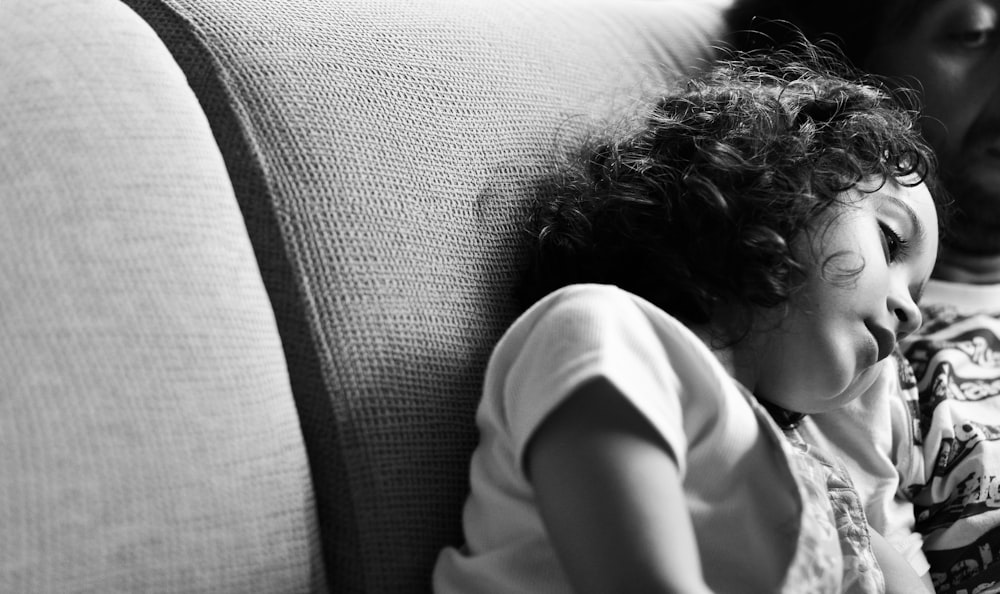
(952, 54)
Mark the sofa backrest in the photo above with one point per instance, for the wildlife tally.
(148, 437)
(381, 152)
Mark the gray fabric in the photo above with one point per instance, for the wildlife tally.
(148, 436)
(381, 152)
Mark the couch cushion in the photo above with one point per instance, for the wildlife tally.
(148, 436)
(381, 151)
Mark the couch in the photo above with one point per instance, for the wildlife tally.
(253, 257)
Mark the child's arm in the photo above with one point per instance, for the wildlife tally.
(611, 499)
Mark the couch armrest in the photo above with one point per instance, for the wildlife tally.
(148, 434)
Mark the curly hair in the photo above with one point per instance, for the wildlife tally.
(699, 206)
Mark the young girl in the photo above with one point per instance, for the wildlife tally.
(749, 254)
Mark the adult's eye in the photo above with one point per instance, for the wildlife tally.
(974, 38)
(975, 27)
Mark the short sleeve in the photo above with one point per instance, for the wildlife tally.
(588, 333)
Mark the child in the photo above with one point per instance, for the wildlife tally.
(924, 447)
(748, 255)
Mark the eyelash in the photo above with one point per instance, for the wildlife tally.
(895, 246)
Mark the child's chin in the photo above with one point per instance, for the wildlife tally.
(861, 384)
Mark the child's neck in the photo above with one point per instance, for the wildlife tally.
(739, 361)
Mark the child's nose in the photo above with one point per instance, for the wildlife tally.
(907, 314)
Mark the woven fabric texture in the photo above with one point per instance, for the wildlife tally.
(148, 433)
(382, 151)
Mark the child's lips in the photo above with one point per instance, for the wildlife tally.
(885, 341)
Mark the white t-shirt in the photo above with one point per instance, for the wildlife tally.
(758, 527)
(874, 438)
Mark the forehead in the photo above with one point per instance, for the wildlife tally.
(898, 16)
(905, 196)
(909, 189)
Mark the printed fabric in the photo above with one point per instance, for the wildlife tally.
(952, 398)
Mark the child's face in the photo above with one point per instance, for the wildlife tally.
(839, 326)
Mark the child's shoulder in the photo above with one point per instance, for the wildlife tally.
(585, 294)
(607, 317)
(599, 303)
